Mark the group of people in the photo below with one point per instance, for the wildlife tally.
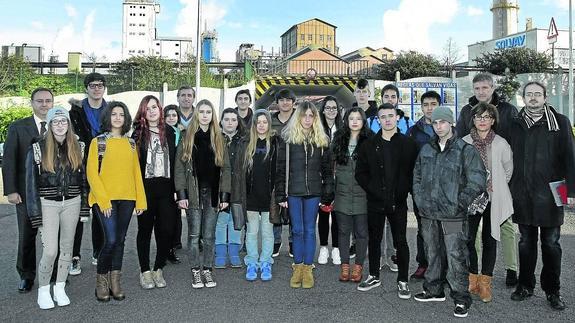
(241, 177)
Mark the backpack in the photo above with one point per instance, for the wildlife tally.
(37, 152)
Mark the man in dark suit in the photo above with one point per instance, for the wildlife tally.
(21, 133)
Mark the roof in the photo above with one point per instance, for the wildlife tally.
(308, 49)
(322, 21)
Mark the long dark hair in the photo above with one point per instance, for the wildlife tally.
(339, 145)
(338, 121)
(106, 117)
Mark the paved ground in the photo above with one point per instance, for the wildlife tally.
(236, 300)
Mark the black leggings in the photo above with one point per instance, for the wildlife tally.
(323, 227)
(160, 217)
(488, 243)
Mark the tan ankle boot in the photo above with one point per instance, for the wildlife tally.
(485, 288)
(356, 273)
(115, 286)
(474, 284)
(344, 273)
(307, 279)
(102, 287)
(296, 276)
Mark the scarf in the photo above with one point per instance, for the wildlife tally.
(530, 115)
(482, 145)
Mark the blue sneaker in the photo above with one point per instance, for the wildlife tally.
(251, 272)
(266, 274)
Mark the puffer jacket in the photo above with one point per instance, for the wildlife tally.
(64, 182)
(507, 112)
(417, 133)
(310, 172)
(186, 181)
(350, 198)
(446, 182)
(540, 156)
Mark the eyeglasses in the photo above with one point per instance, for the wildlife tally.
(482, 118)
(533, 94)
(96, 85)
(60, 122)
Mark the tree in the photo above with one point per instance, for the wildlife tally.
(410, 64)
(517, 59)
(143, 73)
(15, 73)
(9, 115)
(451, 55)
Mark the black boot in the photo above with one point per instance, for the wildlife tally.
(173, 258)
(511, 278)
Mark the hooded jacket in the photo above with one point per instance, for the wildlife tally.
(446, 182)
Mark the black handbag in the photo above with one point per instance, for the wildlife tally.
(238, 215)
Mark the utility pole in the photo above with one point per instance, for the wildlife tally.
(198, 44)
(570, 83)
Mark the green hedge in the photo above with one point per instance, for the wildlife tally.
(9, 115)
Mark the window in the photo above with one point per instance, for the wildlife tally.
(132, 33)
(131, 51)
(157, 53)
(177, 53)
(157, 44)
(320, 37)
(142, 34)
(328, 37)
(309, 37)
(302, 37)
(177, 45)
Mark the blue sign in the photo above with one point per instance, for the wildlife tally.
(515, 41)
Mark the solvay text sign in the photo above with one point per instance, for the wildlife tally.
(510, 42)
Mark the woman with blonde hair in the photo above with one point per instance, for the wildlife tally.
(303, 179)
(56, 192)
(260, 158)
(203, 184)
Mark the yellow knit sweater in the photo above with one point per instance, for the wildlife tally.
(120, 177)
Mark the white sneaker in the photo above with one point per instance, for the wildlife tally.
(44, 298)
(146, 280)
(391, 263)
(323, 255)
(94, 261)
(335, 258)
(60, 296)
(208, 278)
(158, 277)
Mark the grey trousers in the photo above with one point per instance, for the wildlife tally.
(202, 220)
(446, 249)
(58, 217)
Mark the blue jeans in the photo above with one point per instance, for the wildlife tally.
(303, 215)
(259, 222)
(114, 228)
(225, 232)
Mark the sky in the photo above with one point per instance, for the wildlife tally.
(95, 27)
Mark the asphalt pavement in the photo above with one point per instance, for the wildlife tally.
(236, 300)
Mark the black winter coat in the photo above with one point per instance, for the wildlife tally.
(310, 172)
(82, 127)
(417, 133)
(370, 172)
(446, 182)
(540, 156)
(507, 112)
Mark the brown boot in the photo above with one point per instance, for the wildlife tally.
(485, 288)
(474, 284)
(115, 287)
(356, 273)
(344, 273)
(307, 279)
(296, 276)
(102, 287)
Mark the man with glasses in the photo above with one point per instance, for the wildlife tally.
(484, 91)
(543, 153)
(21, 133)
(85, 118)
